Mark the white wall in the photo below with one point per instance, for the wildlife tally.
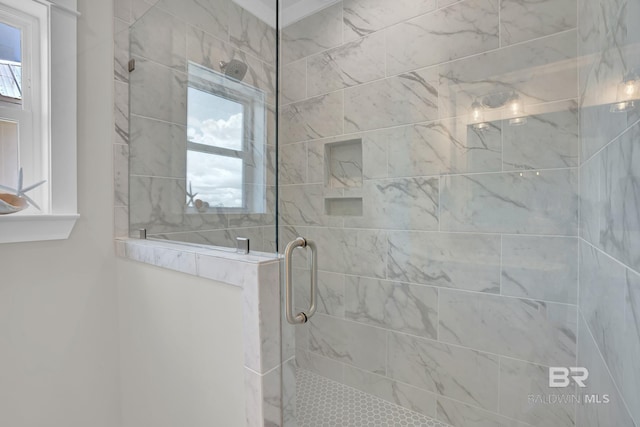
(181, 349)
(58, 301)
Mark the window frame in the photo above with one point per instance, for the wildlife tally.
(225, 92)
(58, 146)
(31, 114)
(255, 127)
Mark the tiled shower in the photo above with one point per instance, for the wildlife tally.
(469, 171)
(458, 260)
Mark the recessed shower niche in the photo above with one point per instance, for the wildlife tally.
(343, 178)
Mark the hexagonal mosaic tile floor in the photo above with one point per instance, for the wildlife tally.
(322, 402)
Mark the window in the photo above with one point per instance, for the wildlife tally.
(24, 130)
(32, 32)
(223, 116)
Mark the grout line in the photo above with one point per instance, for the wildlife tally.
(612, 257)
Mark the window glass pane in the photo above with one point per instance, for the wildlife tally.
(213, 120)
(10, 62)
(216, 179)
(9, 154)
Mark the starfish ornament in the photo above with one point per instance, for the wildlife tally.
(21, 192)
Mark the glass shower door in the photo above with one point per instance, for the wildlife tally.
(202, 123)
(457, 165)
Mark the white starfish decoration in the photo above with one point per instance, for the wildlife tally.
(191, 196)
(21, 192)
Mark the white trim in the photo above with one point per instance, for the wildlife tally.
(58, 80)
(303, 9)
(30, 228)
(58, 5)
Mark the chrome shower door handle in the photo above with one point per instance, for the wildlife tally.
(302, 317)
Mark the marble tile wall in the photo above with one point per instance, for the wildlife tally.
(464, 278)
(151, 116)
(609, 303)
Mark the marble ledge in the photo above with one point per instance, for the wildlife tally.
(209, 262)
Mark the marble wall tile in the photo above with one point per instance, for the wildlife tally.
(458, 414)
(260, 75)
(445, 146)
(614, 413)
(122, 9)
(598, 125)
(121, 175)
(292, 168)
(620, 193)
(529, 330)
(404, 395)
(455, 372)
(158, 92)
(608, 47)
(404, 99)
(121, 113)
(268, 306)
(312, 119)
(518, 381)
(461, 261)
(304, 205)
(399, 306)
(610, 303)
(206, 50)
(544, 202)
(293, 85)
(546, 141)
(344, 164)
(358, 252)
(160, 37)
(121, 221)
(363, 17)
(251, 34)
(543, 268)
(121, 50)
(272, 396)
(157, 148)
(320, 365)
(157, 204)
(352, 343)
(289, 394)
(313, 34)
(223, 238)
(253, 398)
(590, 202)
(375, 150)
(523, 20)
(140, 7)
(542, 70)
(404, 204)
(351, 64)
(211, 16)
(460, 30)
(330, 295)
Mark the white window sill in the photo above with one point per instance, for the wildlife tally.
(32, 228)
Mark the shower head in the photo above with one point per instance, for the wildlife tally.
(235, 69)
